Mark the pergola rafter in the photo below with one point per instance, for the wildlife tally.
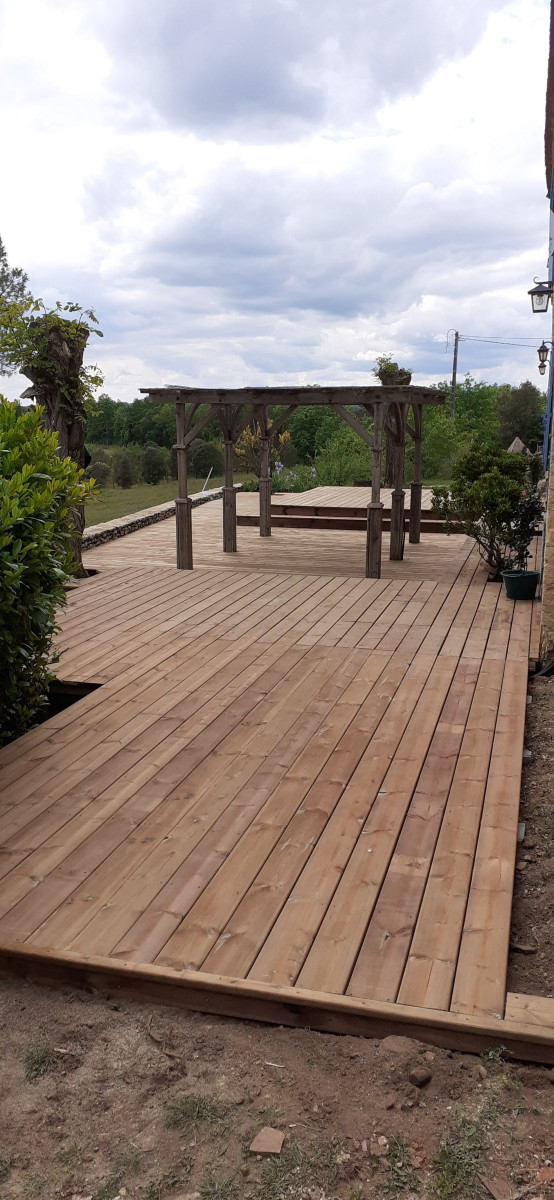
(236, 408)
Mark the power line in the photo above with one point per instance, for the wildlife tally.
(522, 341)
(497, 341)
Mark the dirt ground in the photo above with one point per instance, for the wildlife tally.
(101, 1098)
(532, 959)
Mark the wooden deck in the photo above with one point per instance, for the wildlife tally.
(293, 798)
(287, 551)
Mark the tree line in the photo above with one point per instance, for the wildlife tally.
(485, 415)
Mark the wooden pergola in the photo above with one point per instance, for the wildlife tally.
(236, 408)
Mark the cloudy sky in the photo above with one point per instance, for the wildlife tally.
(256, 191)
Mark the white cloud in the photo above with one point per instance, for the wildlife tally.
(254, 191)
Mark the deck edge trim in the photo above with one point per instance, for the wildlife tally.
(279, 1005)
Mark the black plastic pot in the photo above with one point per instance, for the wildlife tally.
(521, 585)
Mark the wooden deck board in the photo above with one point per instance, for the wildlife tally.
(294, 793)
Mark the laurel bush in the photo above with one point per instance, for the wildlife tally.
(37, 493)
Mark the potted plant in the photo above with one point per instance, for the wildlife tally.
(389, 373)
(521, 584)
(490, 500)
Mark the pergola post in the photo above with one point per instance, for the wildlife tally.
(396, 551)
(183, 505)
(264, 484)
(229, 502)
(417, 483)
(375, 508)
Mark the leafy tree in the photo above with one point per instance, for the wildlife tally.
(13, 290)
(100, 420)
(247, 449)
(38, 491)
(442, 442)
(124, 471)
(520, 412)
(310, 429)
(207, 456)
(120, 425)
(343, 459)
(164, 432)
(476, 411)
(153, 464)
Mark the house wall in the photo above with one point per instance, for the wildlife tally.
(547, 613)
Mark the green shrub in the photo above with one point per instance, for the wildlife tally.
(37, 493)
(153, 464)
(207, 456)
(300, 478)
(99, 471)
(494, 500)
(124, 470)
(344, 458)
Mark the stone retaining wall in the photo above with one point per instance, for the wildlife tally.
(96, 535)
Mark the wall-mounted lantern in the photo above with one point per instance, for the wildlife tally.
(543, 357)
(540, 295)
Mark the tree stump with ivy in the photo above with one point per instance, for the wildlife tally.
(48, 348)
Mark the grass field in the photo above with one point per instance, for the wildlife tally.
(112, 502)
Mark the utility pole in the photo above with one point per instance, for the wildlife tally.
(454, 368)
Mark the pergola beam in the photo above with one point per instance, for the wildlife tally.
(282, 396)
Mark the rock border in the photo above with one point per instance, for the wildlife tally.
(96, 535)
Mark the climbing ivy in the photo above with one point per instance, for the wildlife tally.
(48, 346)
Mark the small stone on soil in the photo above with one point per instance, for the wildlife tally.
(268, 1141)
(398, 1045)
(419, 1076)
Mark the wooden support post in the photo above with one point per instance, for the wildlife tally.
(265, 490)
(417, 484)
(183, 506)
(229, 503)
(374, 540)
(396, 552)
(375, 509)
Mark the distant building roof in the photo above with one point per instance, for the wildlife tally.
(518, 447)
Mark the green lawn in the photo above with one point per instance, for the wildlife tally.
(112, 502)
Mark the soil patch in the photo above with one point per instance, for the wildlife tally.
(100, 1099)
(531, 968)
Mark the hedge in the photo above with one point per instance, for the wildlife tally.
(37, 493)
